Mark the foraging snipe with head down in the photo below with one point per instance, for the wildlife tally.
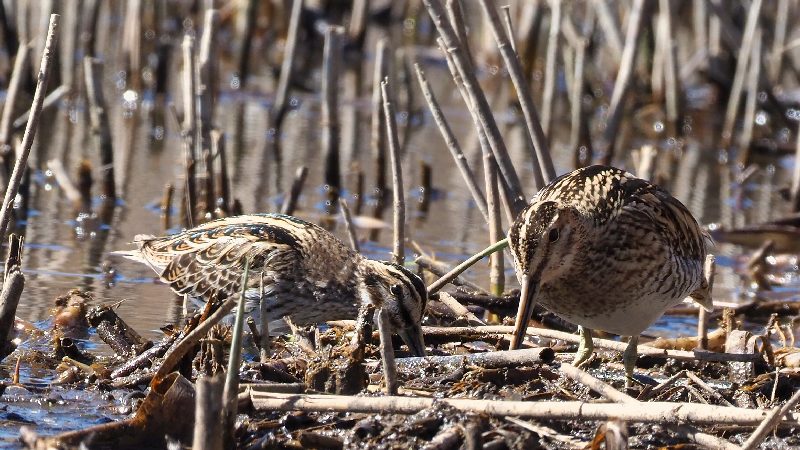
(308, 273)
(604, 249)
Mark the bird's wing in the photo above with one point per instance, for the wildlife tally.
(211, 267)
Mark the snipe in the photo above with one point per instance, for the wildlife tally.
(308, 273)
(604, 249)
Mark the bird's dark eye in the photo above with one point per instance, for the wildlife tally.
(553, 235)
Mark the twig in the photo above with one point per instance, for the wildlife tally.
(439, 269)
(398, 252)
(650, 412)
(459, 310)
(770, 422)
(456, 271)
(51, 100)
(622, 84)
(348, 224)
(33, 123)
(229, 401)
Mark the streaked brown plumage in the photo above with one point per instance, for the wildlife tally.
(307, 273)
(604, 249)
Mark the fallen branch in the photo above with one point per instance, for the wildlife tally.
(653, 412)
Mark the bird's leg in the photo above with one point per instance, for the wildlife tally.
(363, 332)
(629, 359)
(585, 348)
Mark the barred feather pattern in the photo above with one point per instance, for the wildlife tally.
(634, 250)
(304, 270)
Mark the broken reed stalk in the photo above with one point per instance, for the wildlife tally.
(548, 93)
(377, 127)
(166, 206)
(17, 77)
(751, 102)
(611, 29)
(484, 113)
(13, 284)
(770, 422)
(290, 49)
(459, 269)
(101, 127)
(543, 163)
(670, 67)
(647, 412)
(243, 58)
(189, 90)
(452, 144)
(496, 260)
(795, 189)
(742, 59)
(208, 188)
(387, 351)
(208, 406)
(358, 23)
(230, 403)
(509, 23)
(579, 128)
(455, 14)
(348, 224)
(775, 59)
(398, 195)
(206, 83)
(21, 163)
(290, 204)
(223, 182)
(622, 84)
(331, 57)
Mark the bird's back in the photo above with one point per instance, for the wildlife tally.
(208, 260)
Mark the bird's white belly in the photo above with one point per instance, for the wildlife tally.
(629, 320)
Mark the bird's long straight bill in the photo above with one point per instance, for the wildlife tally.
(526, 304)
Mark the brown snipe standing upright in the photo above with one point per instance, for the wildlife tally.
(604, 249)
(308, 273)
